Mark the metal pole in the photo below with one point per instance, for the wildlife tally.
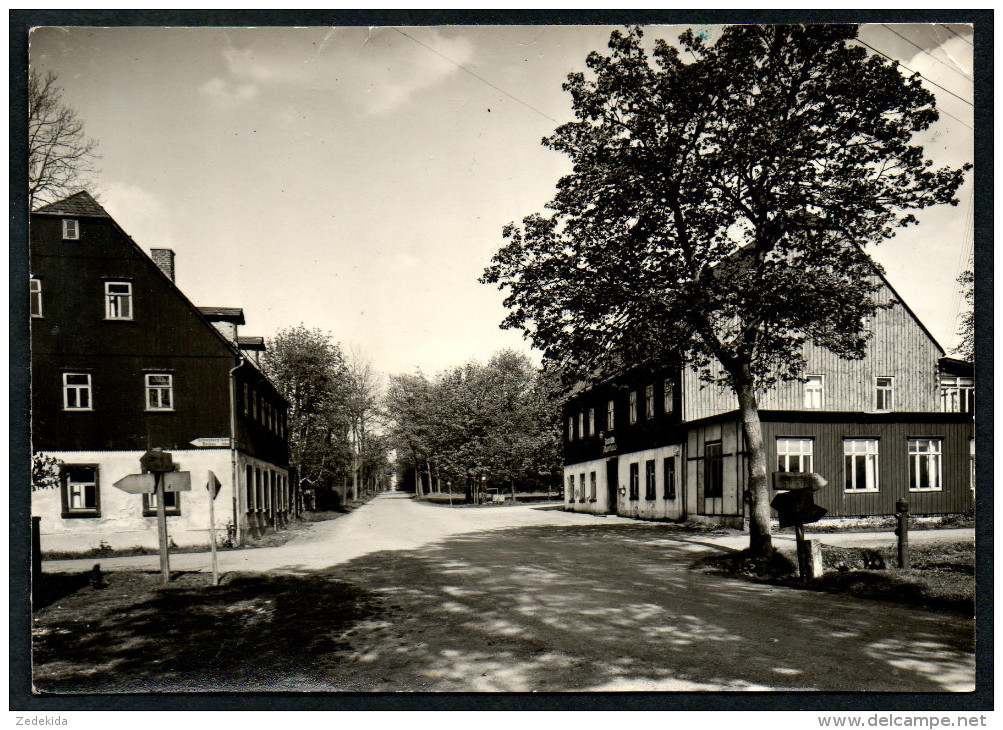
(165, 564)
(212, 533)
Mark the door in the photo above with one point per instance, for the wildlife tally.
(612, 484)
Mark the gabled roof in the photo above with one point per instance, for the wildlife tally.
(223, 314)
(248, 342)
(79, 204)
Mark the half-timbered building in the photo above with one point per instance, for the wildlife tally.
(122, 362)
(662, 443)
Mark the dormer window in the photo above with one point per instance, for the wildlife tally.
(71, 229)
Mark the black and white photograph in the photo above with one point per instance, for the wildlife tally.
(503, 358)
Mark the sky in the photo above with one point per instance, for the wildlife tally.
(357, 180)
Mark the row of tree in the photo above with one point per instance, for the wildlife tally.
(335, 440)
(493, 425)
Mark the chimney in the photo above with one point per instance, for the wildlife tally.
(164, 258)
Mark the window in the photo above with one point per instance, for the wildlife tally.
(957, 395)
(172, 504)
(254, 405)
(571, 428)
(669, 475)
(581, 487)
(35, 301)
(649, 401)
(581, 425)
(592, 486)
(649, 479)
(571, 488)
(667, 396)
(77, 392)
(813, 391)
(635, 478)
(610, 408)
(713, 480)
(159, 392)
(925, 465)
(795, 454)
(592, 421)
(247, 399)
(883, 393)
(860, 457)
(249, 487)
(71, 230)
(118, 300)
(633, 406)
(80, 491)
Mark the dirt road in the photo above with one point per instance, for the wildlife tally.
(523, 599)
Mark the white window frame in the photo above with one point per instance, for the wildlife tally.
(888, 390)
(809, 392)
(971, 462)
(35, 295)
(581, 425)
(113, 301)
(592, 421)
(957, 389)
(649, 401)
(870, 450)
(80, 488)
(667, 396)
(633, 406)
(77, 389)
(934, 458)
(610, 415)
(798, 447)
(71, 229)
(159, 390)
(571, 428)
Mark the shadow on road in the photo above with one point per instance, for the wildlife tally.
(529, 609)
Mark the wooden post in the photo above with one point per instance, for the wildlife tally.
(165, 565)
(902, 515)
(804, 557)
(212, 533)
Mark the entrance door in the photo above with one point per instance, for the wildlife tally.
(612, 484)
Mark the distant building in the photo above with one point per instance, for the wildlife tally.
(658, 442)
(121, 362)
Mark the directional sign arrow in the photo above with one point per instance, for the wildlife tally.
(137, 483)
(178, 481)
(209, 443)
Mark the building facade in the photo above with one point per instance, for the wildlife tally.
(122, 362)
(660, 443)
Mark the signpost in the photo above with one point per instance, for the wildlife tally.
(212, 485)
(211, 443)
(796, 508)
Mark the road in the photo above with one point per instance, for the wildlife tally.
(529, 599)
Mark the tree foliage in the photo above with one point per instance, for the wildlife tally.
(44, 471)
(966, 327)
(497, 421)
(719, 205)
(60, 156)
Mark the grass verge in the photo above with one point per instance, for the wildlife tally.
(941, 575)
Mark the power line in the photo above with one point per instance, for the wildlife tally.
(955, 34)
(479, 78)
(942, 63)
(915, 72)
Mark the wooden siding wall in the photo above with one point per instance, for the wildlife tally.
(733, 469)
(893, 465)
(898, 347)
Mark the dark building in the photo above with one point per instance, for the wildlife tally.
(121, 362)
(659, 442)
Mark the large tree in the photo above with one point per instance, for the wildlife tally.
(718, 208)
(60, 156)
(966, 326)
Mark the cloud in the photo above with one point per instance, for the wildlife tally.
(228, 93)
(378, 72)
(140, 213)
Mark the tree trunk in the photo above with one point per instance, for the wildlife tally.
(428, 472)
(511, 484)
(760, 542)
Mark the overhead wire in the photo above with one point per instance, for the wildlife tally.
(890, 58)
(916, 45)
(479, 78)
(955, 33)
